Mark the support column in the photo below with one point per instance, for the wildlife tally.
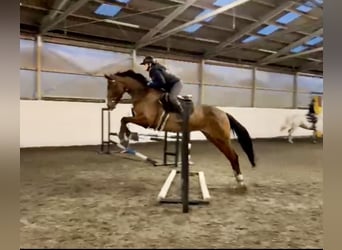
(253, 86)
(39, 44)
(134, 59)
(295, 91)
(201, 78)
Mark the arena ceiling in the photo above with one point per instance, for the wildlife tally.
(277, 34)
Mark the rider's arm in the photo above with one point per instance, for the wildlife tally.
(158, 79)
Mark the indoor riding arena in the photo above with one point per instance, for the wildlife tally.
(255, 67)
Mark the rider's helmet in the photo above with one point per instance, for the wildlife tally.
(148, 60)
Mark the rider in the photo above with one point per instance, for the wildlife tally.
(163, 80)
(312, 114)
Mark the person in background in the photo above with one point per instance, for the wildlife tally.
(312, 114)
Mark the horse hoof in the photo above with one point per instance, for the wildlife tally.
(124, 143)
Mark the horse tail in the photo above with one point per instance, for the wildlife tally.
(243, 138)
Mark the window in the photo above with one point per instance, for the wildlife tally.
(204, 12)
(249, 39)
(193, 28)
(314, 40)
(299, 49)
(306, 7)
(287, 18)
(268, 30)
(108, 10)
(221, 3)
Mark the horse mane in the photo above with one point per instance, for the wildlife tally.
(136, 76)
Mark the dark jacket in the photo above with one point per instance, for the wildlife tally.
(162, 79)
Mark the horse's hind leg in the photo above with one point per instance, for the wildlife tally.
(291, 130)
(224, 145)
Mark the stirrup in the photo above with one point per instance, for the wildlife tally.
(184, 97)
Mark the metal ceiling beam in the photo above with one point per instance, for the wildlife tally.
(57, 6)
(216, 50)
(194, 21)
(52, 23)
(149, 13)
(297, 2)
(310, 65)
(203, 5)
(174, 14)
(270, 37)
(269, 59)
(92, 20)
(297, 54)
(313, 4)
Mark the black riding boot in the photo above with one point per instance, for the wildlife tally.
(178, 107)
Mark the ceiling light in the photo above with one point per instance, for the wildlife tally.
(267, 51)
(206, 40)
(121, 23)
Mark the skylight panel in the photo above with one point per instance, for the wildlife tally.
(221, 3)
(193, 28)
(287, 18)
(307, 7)
(315, 40)
(249, 39)
(299, 49)
(268, 30)
(108, 10)
(204, 12)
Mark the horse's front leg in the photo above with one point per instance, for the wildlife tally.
(124, 132)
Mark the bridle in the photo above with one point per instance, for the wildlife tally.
(118, 98)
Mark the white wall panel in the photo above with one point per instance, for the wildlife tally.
(191, 89)
(223, 75)
(273, 99)
(186, 71)
(80, 123)
(27, 83)
(65, 58)
(229, 97)
(273, 80)
(67, 85)
(27, 54)
(310, 84)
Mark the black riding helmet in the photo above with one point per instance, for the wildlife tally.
(147, 59)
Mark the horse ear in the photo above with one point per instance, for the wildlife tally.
(107, 77)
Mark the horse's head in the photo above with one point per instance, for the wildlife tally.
(121, 82)
(115, 90)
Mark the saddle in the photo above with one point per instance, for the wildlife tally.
(169, 107)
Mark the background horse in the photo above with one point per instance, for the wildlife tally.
(301, 121)
(214, 123)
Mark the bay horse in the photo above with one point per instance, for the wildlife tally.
(214, 123)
